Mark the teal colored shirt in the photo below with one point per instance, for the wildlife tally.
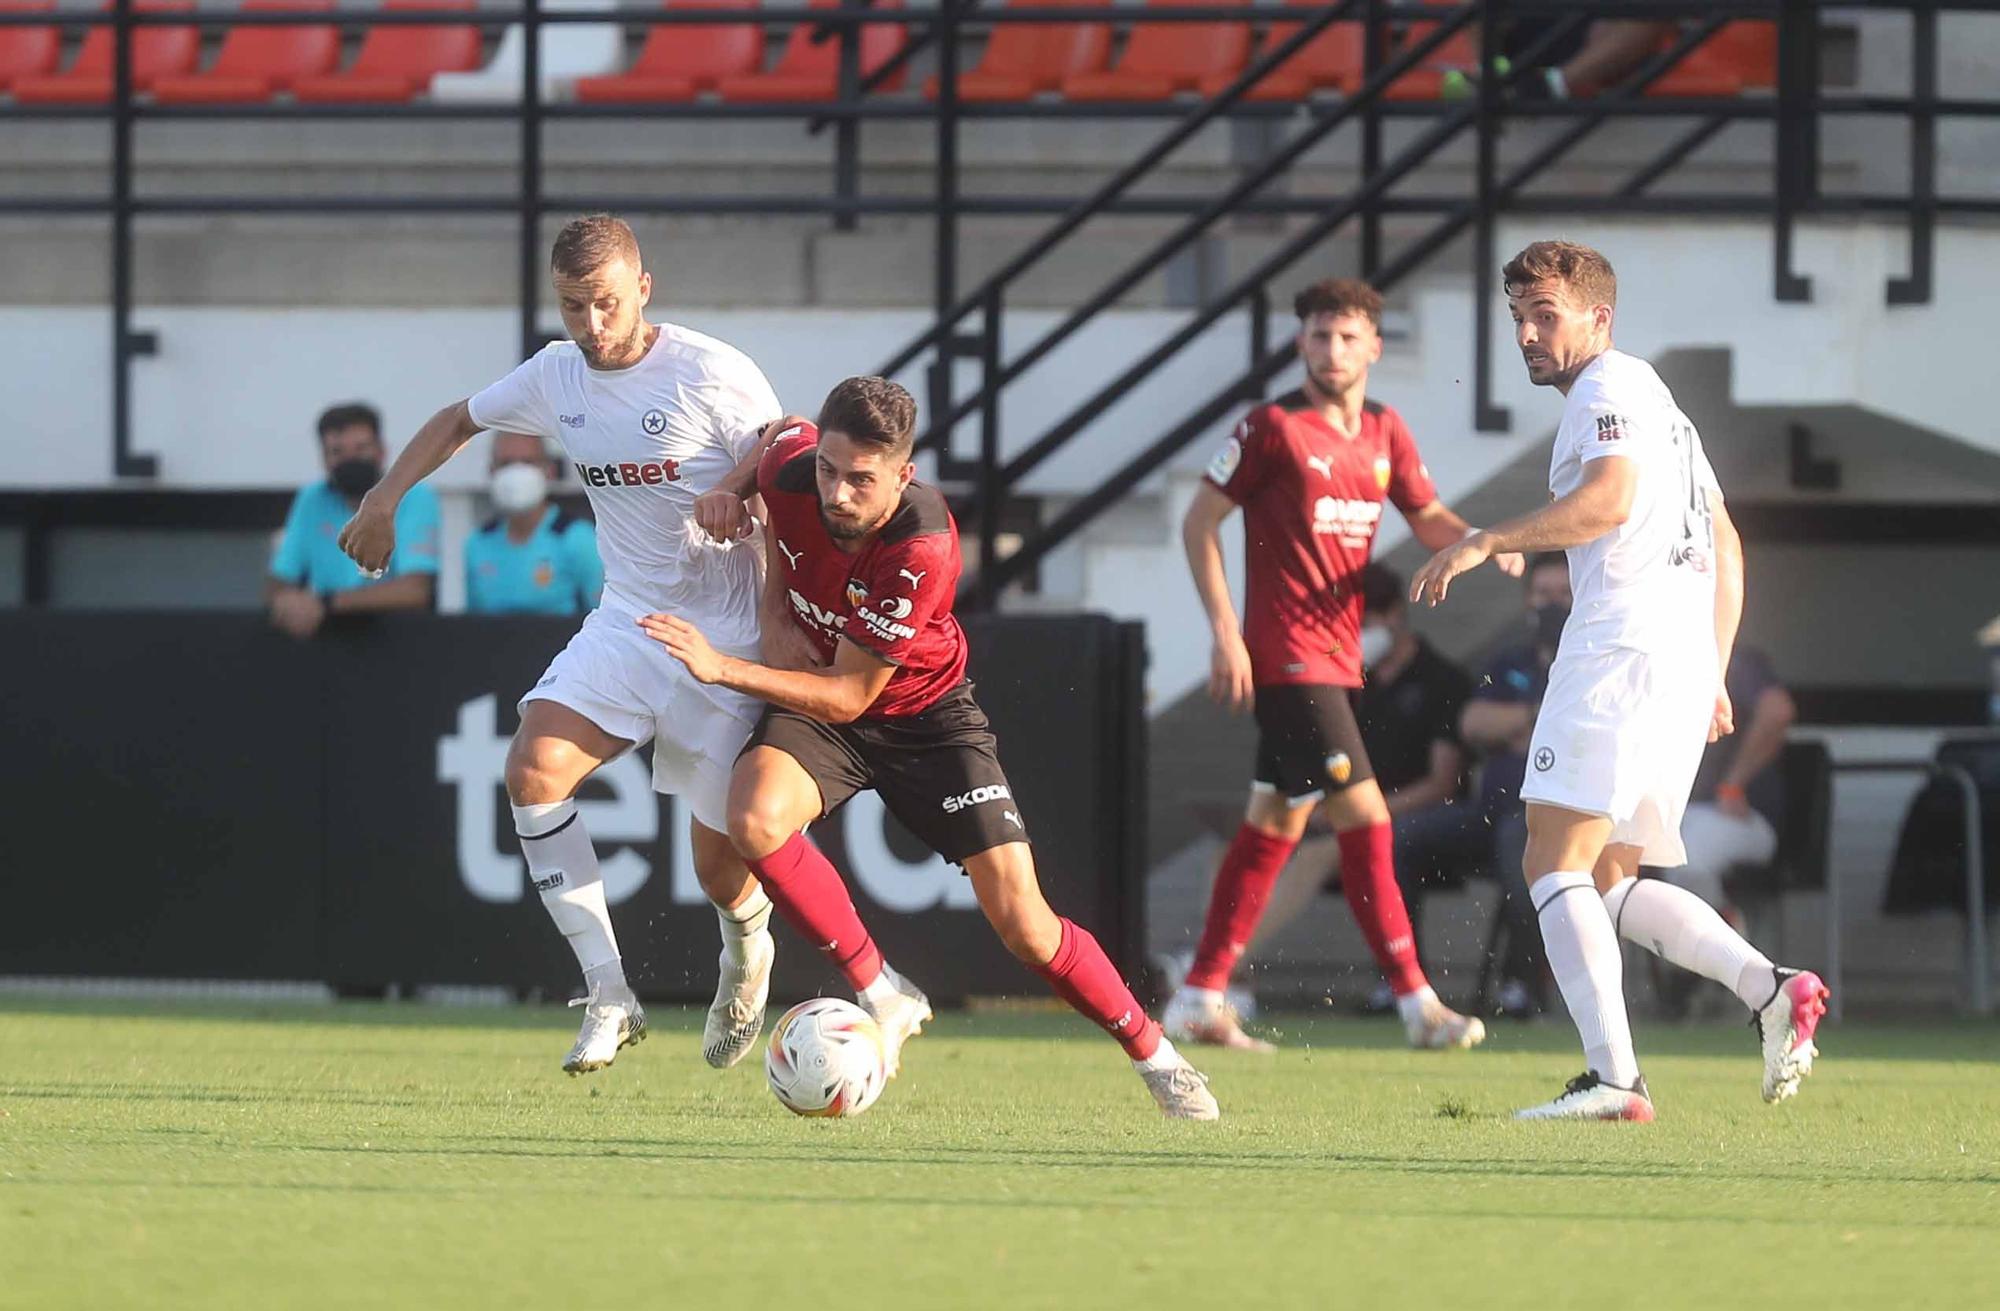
(555, 572)
(309, 555)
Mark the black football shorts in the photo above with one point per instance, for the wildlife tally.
(937, 771)
(1308, 743)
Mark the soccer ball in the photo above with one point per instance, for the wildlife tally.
(825, 1058)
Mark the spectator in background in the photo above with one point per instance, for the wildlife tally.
(1738, 797)
(532, 557)
(310, 576)
(1498, 721)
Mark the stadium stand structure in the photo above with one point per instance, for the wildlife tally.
(397, 63)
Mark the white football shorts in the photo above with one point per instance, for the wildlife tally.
(1621, 734)
(619, 679)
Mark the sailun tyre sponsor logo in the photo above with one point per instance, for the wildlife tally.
(896, 607)
(979, 796)
(650, 473)
(882, 626)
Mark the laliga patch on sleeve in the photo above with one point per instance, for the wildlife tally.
(1223, 467)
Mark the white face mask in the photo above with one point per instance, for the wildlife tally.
(518, 487)
(1376, 642)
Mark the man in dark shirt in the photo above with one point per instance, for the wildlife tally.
(1738, 800)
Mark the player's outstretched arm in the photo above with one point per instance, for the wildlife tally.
(836, 695)
(370, 536)
(1437, 526)
(1599, 506)
(1229, 677)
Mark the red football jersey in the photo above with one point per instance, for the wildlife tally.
(1312, 500)
(893, 598)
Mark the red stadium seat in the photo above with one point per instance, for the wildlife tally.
(1739, 56)
(1460, 50)
(1023, 59)
(1163, 58)
(156, 52)
(680, 61)
(256, 62)
(28, 51)
(809, 71)
(1331, 61)
(396, 62)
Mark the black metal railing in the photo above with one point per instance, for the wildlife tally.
(968, 325)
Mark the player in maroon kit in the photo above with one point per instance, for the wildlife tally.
(863, 567)
(1311, 472)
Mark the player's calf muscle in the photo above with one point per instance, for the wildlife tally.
(1003, 878)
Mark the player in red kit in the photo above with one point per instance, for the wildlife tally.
(1311, 473)
(863, 671)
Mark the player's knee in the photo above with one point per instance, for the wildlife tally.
(537, 773)
(757, 828)
(1032, 935)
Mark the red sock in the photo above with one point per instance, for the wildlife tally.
(1084, 976)
(1368, 877)
(1242, 886)
(808, 892)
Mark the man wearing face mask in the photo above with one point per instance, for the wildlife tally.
(311, 577)
(532, 557)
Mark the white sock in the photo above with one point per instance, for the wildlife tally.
(563, 865)
(742, 922)
(1411, 1005)
(1583, 954)
(1678, 926)
(882, 989)
(1164, 1057)
(1208, 999)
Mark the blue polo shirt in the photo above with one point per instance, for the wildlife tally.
(309, 554)
(555, 572)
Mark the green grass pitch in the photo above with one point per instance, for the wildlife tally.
(402, 1156)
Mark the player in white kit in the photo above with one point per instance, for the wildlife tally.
(656, 419)
(1636, 690)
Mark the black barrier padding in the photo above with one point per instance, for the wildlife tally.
(162, 798)
(196, 796)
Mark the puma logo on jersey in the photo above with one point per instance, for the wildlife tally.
(1013, 819)
(916, 579)
(1323, 463)
(792, 557)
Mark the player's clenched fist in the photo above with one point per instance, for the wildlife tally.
(369, 538)
(722, 515)
(686, 644)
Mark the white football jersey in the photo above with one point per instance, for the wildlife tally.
(645, 441)
(1649, 584)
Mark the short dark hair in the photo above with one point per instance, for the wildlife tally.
(336, 417)
(872, 411)
(587, 244)
(1584, 271)
(1339, 296)
(1381, 589)
(1543, 560)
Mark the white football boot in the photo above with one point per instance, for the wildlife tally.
(1202, 1015)
(1786, 1025)
(1437, 1026)
(1181, 1091)
(901, 1017)
(611, 1022)
(1590, 1098)
(736, 1016)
